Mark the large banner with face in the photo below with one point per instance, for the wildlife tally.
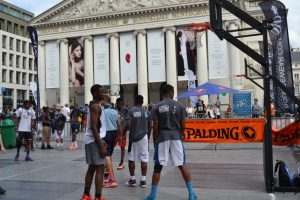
(217, 57)
(76, 62)
(101, 60)
(156, 56)
(52, 64)
(128, 58)
(186, 54)
(279, 38)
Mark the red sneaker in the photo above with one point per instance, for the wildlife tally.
(86, 197)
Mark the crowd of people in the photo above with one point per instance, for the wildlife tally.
(106, 125)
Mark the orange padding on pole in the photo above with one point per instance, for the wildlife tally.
(288, 135)
(224, 130)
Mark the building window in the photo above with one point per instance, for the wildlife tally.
(9, 27)
(4, 41)
(4, 58)
(22, 31)
(18, 77)
(24, 63)
(296, 77)
(35, 78)
(15, 29)
(297, 88)
(23, 47)
(17, 61)
(18, 45)
(11, 57)
(30, 77)
(24, 78)
(11, 43)
(2, 24)
(30, 64)
(4, 71)
(30, 49)
(11, 76)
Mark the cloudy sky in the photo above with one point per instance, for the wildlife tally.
(39, 6)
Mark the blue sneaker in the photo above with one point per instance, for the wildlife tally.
(150, 198)
(193, 196)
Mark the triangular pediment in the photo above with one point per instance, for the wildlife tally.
(69, 10)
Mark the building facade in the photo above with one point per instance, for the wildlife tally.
(295, 54)
(134, 47)
(17, 63)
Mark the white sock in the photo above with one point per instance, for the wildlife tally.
(143, 178)
(62, 145)
(75, 144)
(132, 177)
(58, 144)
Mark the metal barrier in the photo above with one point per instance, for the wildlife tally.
(281, 122)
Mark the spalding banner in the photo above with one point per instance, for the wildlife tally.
(224, 131)
(288, 135)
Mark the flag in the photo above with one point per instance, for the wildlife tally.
(276, 12)
(33, 87)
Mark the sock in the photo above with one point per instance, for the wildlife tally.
(58, 145)
(18, 150)
(153, 191)
(121, 162)
(75, 143)
(97, 195)
(143, 178)
(62, 145)
(189, 186)
(87, 190)
(27, 153)
(132, 177)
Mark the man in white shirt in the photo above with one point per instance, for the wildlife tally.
(25, 121)
(67, 113)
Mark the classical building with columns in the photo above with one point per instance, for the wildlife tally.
(130, 48)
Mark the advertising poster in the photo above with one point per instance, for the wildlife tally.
(52, 64)
(76, 62)
(242, 104)
(101, 60)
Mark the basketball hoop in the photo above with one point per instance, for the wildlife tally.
(239, 80)
(196, 28)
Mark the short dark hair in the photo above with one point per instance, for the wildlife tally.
(119, 100)
(139, 100)
(107, 98)
(95, 88)
(167, 89)
(26, 101)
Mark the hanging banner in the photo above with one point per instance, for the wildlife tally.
(186, 53)
(52, 64)
(217, 57)
(224, 131)
(156, 56)
(288, 135)
(76, 62)
(101, 60)
(242, 104)
(33, 87)
(279, 38)
(128, 58)
(272, 70)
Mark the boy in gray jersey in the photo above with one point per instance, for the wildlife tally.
(139, 126)
(168, 129)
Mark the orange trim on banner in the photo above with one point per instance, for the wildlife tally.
(224, 130)
(288, 135)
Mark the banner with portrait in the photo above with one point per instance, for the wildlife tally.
(217, 57)
(101, 60)
(156, 56)
(186, 54)
(128, 58)
(76, 62)
(52, 64)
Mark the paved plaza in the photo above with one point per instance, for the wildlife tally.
(222, 172)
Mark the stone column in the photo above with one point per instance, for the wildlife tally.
(42, 73)
(114, 62)
(63, 71)
(142, 64)
(88, 68)
(171, 57)
(234, 59)
(202, 62)
(15, 97)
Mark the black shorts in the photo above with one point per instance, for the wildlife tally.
(75, 128)
(25, 135)
(110, 141)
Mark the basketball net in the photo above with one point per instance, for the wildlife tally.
(191, 32)
(239, 81)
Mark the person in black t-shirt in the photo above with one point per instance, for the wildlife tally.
(200, 109)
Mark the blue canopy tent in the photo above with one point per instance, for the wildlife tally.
(207, 89)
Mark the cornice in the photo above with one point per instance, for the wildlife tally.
(127, 13)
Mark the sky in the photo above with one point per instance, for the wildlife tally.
(39, 6)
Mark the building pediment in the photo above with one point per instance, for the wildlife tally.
(74, 10)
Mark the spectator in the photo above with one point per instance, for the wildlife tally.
(256, 109)
(46, 122)
(76, 117)
(200, 109)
